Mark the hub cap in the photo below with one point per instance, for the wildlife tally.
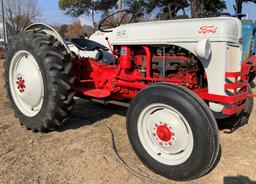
(21, 84)
(165, 134)
(26, 83)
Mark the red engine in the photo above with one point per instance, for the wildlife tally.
(135, 67)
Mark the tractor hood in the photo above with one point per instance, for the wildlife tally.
(220, 29)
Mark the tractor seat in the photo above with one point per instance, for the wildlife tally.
(87, 45)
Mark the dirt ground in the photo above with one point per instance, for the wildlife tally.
(80, 151)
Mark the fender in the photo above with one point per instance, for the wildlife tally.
(49, 30)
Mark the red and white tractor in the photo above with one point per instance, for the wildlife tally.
(176, 78)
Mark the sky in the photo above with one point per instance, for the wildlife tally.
(51, 13)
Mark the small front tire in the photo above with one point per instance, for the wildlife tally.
(173, 132)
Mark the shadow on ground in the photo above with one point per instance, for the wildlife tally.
(86, 112)
(238, 180)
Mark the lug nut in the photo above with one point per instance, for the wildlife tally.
(170, 143)
(160, 143)
(154, 134)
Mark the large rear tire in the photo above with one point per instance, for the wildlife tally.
(38, 81)
(173, 132)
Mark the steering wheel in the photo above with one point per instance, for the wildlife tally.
(111, 21)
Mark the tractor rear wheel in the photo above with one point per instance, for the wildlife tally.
(38, 81)
(173, 132)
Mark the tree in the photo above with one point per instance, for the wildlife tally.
(21, 13)
(166, 9)
(213, 8)
(239, 5)
(75, 30)
(138, 7)
(197, 8)
(206, 8)
(76, 8)
(79, 7)
(63, 29)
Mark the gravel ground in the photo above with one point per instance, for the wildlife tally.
(80, 151)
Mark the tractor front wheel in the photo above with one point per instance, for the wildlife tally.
(38, 81)
(173, 132)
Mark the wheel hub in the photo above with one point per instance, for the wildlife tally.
(21, 84)
(164, 133)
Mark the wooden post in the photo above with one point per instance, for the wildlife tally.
(120, 8)
(4, 28)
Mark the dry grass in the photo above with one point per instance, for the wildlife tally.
(80, 151)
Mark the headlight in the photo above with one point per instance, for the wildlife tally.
(203, 49)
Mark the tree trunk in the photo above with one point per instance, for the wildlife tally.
(201, 9)
(120, 8)
(193, 7)
(93, 20)
(197, 8)
(183, 12)
(169, 11)
(239, 6)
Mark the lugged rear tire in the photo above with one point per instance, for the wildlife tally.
(156, 116)
(40, 66)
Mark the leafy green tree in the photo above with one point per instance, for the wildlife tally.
(166, 9)
(206, 8)
(214, 7)
(76, 8)
(104, 5)
(138, 7)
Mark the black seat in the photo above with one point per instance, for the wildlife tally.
(89, 45)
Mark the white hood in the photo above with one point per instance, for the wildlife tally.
(226, 29)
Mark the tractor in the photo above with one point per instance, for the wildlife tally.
(176, 77)
(249, 38)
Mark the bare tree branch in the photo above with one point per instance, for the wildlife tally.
(21, 13)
